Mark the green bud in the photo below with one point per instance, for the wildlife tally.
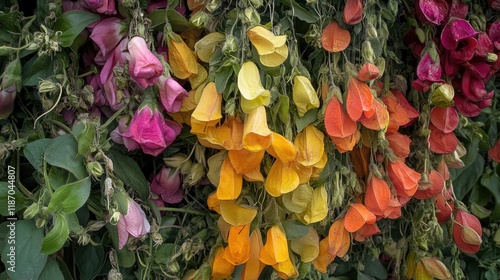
(200, 19)
(40, 222)
(367, 52)
(96, 225)
(491, 57)
(12, 75)
(230, 45)
(115, 218)
(83, 239)
(196, 174)
(252, 17)
(212, 5)
(443, 95)
(31, 211)
(371, 31)
(113, 273)
(95, 169)
(496, 237)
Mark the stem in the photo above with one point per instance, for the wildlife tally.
(189, 211)
(113, 117)
(53, 107)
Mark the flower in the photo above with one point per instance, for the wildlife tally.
(102, 6)
(167, 184)
(171, 94)
(181, 58)
(251, 89)
(145, 68)
(431, 12)
(304, 95)
(467, 232)
(7, 98)
(107, 34)
(272, 49)
(151, 131)
(133, 223)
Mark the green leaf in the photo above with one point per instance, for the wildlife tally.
(468, 159)
(178, 22)
(307, 119)
(62, 152)
(163, 253)
(59, 177)
(34, 152)
(491, 181)
(5, 197)
(51, 271)
(36, 69)
(71, 23)
(222, 77)
(374, 268)
(10, 21)
(129, 172)
(70, 197)
(362, 276)
(86, 139)
(27, 241)
(300, 12)
(57, 236)
(464, 182)
(294, 229)
(89, 260)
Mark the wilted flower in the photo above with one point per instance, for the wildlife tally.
(467, 232)
(145, 68)
(151, 130)
(171, 94)
(133, 223)
(167, 184)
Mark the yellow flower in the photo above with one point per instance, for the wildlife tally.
(304, 95)
(317, 209)
(281, 179)
(221, 268)
(251, 89)
(282, 149)
(253, 267)
(310, 146)
(272, 49)
(230, 183)
(198, 79)
(256, 133)
(181, 59)
(276, 248)
(208, 110)
(207, 45)
(238, 248)
(307, 246)
(236, 215)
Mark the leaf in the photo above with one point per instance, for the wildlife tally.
(129, 172)
(222, 77)
(178, 22)
(374, 268)
(59, 177)
(491, 181)
(89, 260)
(335, 38)
(294, 229)
(465, 181)
(337, 122)
(57, 236)
(71, 23)
(28, 241)
(34, 152)
(62, 152)
(5, 197)
(306, 120)
(51, 271)
(85, 138)
(300, 12)
(70, 197)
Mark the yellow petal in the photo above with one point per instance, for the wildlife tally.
(282, 149)
(181, 59)
(324, 257)
(235, 214)
(254, 175)
(209, 108)
(298, 200)
(318, 207)
(281, 179)
(304, 95)
(256, 134)
(276, 248)
(198, 79)
(307, 246)
(421, 273)
(221, 268)
(251, 89)
(286, 269)
(245, 161)
(319, 166)
(310, 146)
(264, 41)
(211, 137)
(238, 248)
(276, 58)
(206, 46)
(230, 183)
(224, 228)
(304, 172)
(213, 202)
(253, 267)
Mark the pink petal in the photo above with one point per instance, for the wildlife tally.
(431, 11)
(122, 232)
(429, 70)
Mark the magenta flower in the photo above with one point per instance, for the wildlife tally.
(107, 34)
(171, 94)
(428, 69)
(494, 33)
(473, 88)
(7, 98)
(133, 223)
(464, 52)
(484, 45)
(431, 12)
(151, 131)
(145, 68)
(494, 4)
(167, 184)
(458, 9)
(122, 128)
(454, 32)
(466, 107)
(102, 6)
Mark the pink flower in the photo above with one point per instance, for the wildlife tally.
(133, 223)
(454, 32)
(145, 68)
(431, 12)
(102, 6)
(151, 131)
(171, 94)
(107, 34)
(494, 33)
(167, 184)
(116, 134)
(7, 98)
(428, 69)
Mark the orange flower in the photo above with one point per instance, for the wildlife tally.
(339, 239)
(181, 59)
(368, 72)
(334, 38)
(256, 134)
(359, 100)
(357, 216)
(377, 195)
(324, 258)
(230, 183)
(245, 161)
(238, 248)
(253, 267)
(353, 12)
(337, 121)
(276, 248)
(404, 179)
(282, 149)
(380, 119)
(346, 144)
(399, 144)
(221, 268)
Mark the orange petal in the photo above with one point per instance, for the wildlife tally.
(256, 134)
(377, 195)
(359, 99)
(221, 268)
(254, 175)
(339, 239)
(281, 179)
(213, 202)
(380, 119)
(253, 267)
(368, 72)
(230, 183)
(324, 258)
(236, 215)
(238, 248)
(245, 161)
(346, 144)
(337, 122)
(366, 231)
(399, 144)
(310, 146)
(404, 179)
(357, 216)
(334, 38)
(282, 149)
(276, 248)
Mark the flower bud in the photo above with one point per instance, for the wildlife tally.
(7, 98)
(195, 175)
(491, 57)
(367, 52)
(113, 273)
(95, 169)
(115, 218)
(96, 225)
(176, 160)
(31, 211)
(46, 86)
(443, 95)
(252, 17)
(40, 222)
(200, 19)
(212, 5)
(173, 266)
(230, 45)
(83, 239)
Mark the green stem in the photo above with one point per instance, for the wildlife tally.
(189, 211)
(113, 117)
